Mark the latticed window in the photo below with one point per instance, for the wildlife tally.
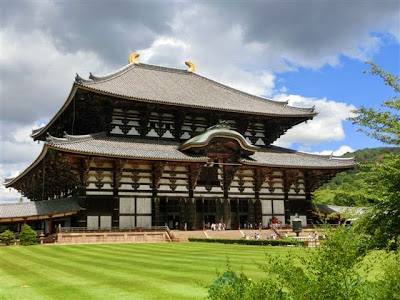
(210, 206)
(173, 205)
(243, 206)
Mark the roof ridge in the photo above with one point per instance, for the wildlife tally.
(327, 157)
(108, 76)
(128, 67)
(69, 138)
(255, 97)
(123, 70)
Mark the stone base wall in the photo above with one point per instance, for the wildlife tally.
(111, 237)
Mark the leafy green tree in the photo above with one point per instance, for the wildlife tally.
(7, 237)
(27, 236)
(388, 285)
(382, 124)
(330, 271)
(382, 222)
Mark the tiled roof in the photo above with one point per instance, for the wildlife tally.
(330, 209)
(100, 144)
(219, 130)
(39, 208)
(277, 156)
(179, 87)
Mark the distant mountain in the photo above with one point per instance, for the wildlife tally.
(371, 155)
(349, 188)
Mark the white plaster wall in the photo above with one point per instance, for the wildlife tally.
(143, 221)
(266, 206)
(126, 221)
(127, 205)
(279, 207)
(143, 206)
(105, 222)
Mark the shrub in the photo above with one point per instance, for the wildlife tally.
(27, 236)
(288, 242)
(7, 237)
(330, 271)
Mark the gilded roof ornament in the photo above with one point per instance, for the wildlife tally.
(192, 67)
(132, 58)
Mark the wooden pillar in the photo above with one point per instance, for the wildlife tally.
(308, 202)
(156, 212)
(227, 214)
(182, 212)
(51, 225)
(251, 212)
(191, 212)
(237, 213)
(286, 189)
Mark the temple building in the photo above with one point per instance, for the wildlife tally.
(148, 145)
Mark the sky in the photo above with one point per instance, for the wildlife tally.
(310, 52)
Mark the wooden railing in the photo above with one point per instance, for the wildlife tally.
(112, 229)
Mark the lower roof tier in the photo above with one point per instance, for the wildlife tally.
(101, 145)
(126, 148)
(13, 212)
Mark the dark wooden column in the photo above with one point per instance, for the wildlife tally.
(286, 189)
(219, 211)
(51, 225)
(307, 191)
(251, 211)
(155, 210)
(182, 213)
(227, 214)
(118, 166)
(191, 213)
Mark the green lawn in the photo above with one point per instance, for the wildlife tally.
(123, 271)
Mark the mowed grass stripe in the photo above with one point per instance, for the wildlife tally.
(124, 269)
(104, 276)
(41, 278)
(165, 259)
(148, 271)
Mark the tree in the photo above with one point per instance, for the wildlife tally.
(330, 271)
(382, 124)
(7, 237)
(27, 236)
(383, 220)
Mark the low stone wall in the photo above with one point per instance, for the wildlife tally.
(110, 237)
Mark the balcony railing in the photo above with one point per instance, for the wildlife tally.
(111, 229)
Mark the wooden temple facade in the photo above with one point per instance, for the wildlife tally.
(149, 145)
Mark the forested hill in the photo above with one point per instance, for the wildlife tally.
(372, 155)
(349, 188)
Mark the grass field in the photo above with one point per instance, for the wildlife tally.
(123, 271)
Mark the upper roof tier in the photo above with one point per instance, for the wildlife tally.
(157, 84)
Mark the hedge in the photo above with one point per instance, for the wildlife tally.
(251, 242)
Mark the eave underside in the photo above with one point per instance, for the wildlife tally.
(87, 111)
(63, 165)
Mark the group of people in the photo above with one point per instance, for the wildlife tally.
(252, 226)
(213, 226)
(257, 236)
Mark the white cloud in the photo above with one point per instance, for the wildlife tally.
(327, 126)
(339, 152)
(223, 56)
(17, 152)
(35, 83)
